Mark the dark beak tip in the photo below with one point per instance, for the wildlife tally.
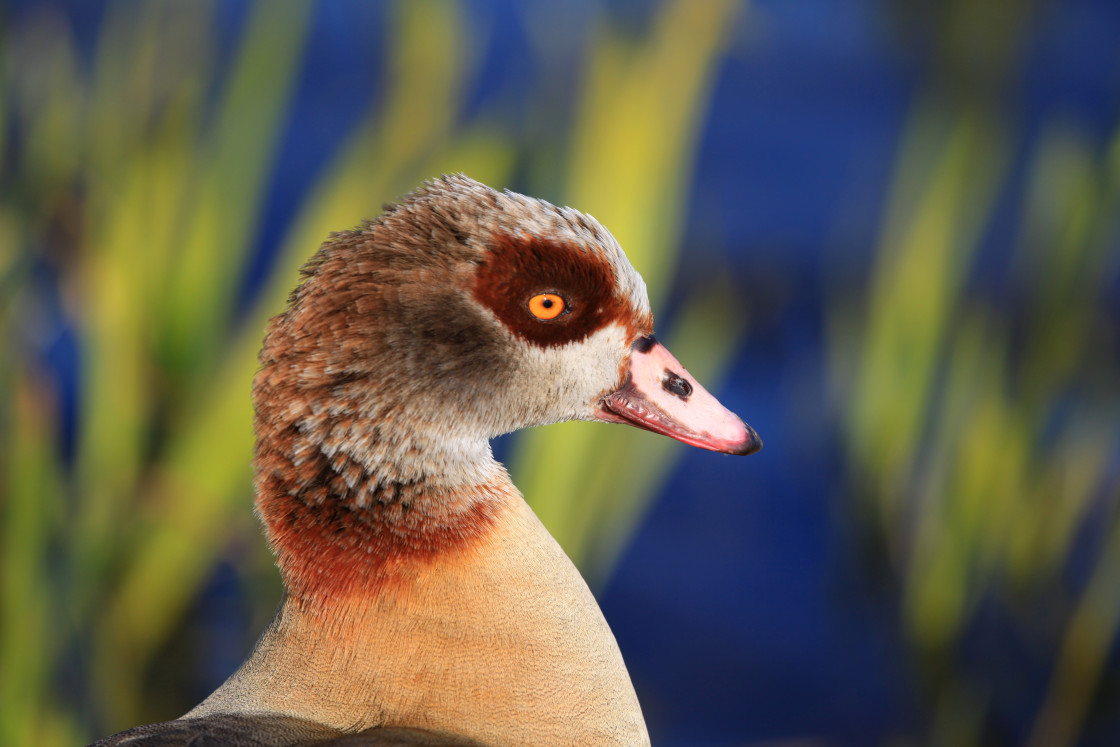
(751, 445)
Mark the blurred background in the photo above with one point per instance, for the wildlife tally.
(886, 232)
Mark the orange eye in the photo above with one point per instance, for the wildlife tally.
(547, 306)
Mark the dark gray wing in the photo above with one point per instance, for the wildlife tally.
(234, 730)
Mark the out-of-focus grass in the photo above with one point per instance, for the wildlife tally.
(136, 191)
(980, 415)
(980, 434)
(982, 438)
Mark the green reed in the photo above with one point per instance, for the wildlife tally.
(980, 439)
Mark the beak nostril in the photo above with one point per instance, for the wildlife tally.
(675, 384)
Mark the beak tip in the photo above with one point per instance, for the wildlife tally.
(750, 445)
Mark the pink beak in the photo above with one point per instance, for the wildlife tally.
(660, 396)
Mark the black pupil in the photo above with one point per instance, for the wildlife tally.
(547, 303)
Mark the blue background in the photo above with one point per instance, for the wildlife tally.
(746, 606)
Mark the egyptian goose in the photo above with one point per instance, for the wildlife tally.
(424, 602)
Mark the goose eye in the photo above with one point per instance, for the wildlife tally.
(547, 306)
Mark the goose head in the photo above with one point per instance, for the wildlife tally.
(460, 314)
(465, 313)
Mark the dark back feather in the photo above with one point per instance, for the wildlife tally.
(235, 730)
